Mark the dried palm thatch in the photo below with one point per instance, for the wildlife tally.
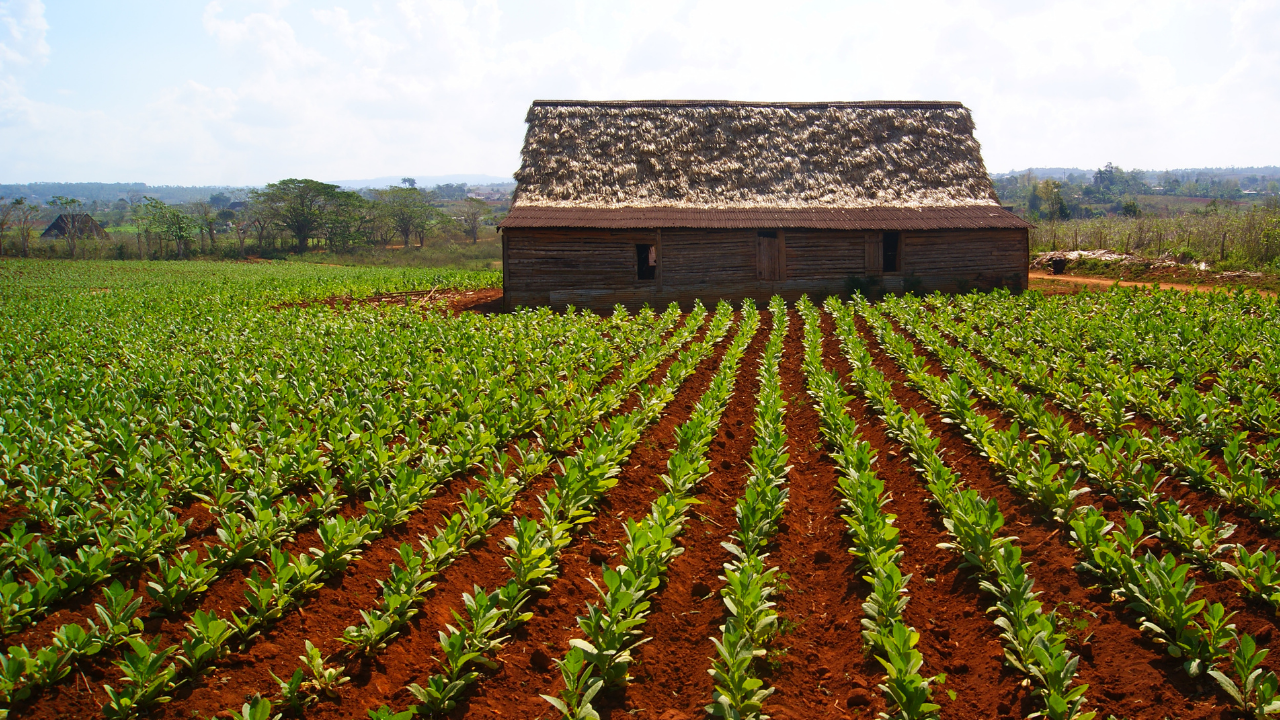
(715, 154)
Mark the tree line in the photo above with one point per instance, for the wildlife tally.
(292, 215)
(1112, 190)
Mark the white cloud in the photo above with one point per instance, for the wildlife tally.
(22, 34)
(22, 46)
(335, 89)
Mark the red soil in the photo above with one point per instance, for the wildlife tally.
(241, 676)
(818, 668)
(670, 671)
(1119, 659)
(487, 301)
(527, 670)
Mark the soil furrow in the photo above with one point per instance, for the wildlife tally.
(670, 671)
(813, 668)
(527, 668)
(409, 658)
(321, 618)
(946, 604)
(1116, 652)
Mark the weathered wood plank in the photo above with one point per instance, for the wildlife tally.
(598, 267)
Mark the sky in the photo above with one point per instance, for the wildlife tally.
(238, 92)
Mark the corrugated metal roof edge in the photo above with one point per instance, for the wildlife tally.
(958, 218)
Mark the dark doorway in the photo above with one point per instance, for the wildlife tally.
(646, 262)
(890, 244)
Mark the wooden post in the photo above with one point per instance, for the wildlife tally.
(657, 246)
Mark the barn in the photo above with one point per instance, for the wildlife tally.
(74, 225)
(654, 201)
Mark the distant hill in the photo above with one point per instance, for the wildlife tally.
(1046, 172)
(107, 193)
(427, 181)
(90, 192)
(1219, 172)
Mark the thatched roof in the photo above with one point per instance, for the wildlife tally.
(78, 224)
(716, 155)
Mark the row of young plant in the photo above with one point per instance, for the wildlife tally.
(115, 458)
(873, 539)
(751, 622)
(345, 453)
(579, 482)
(1035, 644)
(613, 626)
(410, 584)
(1089, 361)
(1156, 587)
(1171, 339)
(1113, 463)
(1121, 464)
(293, 577)
(536, 544)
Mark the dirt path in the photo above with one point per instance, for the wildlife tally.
(1052, 284)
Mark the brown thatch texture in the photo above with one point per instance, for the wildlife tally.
(740, 155)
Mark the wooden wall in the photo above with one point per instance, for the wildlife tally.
(597, 268)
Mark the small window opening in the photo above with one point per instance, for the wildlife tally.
(646, 262)
(889, 243)
(771, 234)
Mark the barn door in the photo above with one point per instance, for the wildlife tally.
(771, 256)
(875, 255)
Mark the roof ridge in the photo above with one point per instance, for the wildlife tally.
(750, 103)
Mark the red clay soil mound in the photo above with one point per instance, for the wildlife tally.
(487, 301)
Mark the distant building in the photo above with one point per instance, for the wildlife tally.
(74, 224)
(655, 201)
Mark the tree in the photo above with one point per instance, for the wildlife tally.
(257, 219)
(1050, 195)
(407, 211)
(451, 191)
(346, 219)
(205, 212)
(6, 218)
(297, 206)
(474, 210)
(409, 182)
(169, 224)
(219, 201)
(24, 218)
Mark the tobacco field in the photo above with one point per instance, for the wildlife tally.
(260, 491)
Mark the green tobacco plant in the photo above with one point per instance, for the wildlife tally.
(908, 691)
(739, 695)
(1254, 690)
(574, 701)
(294, 691)
(324, 679)
(207, 640)
(146, 679)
